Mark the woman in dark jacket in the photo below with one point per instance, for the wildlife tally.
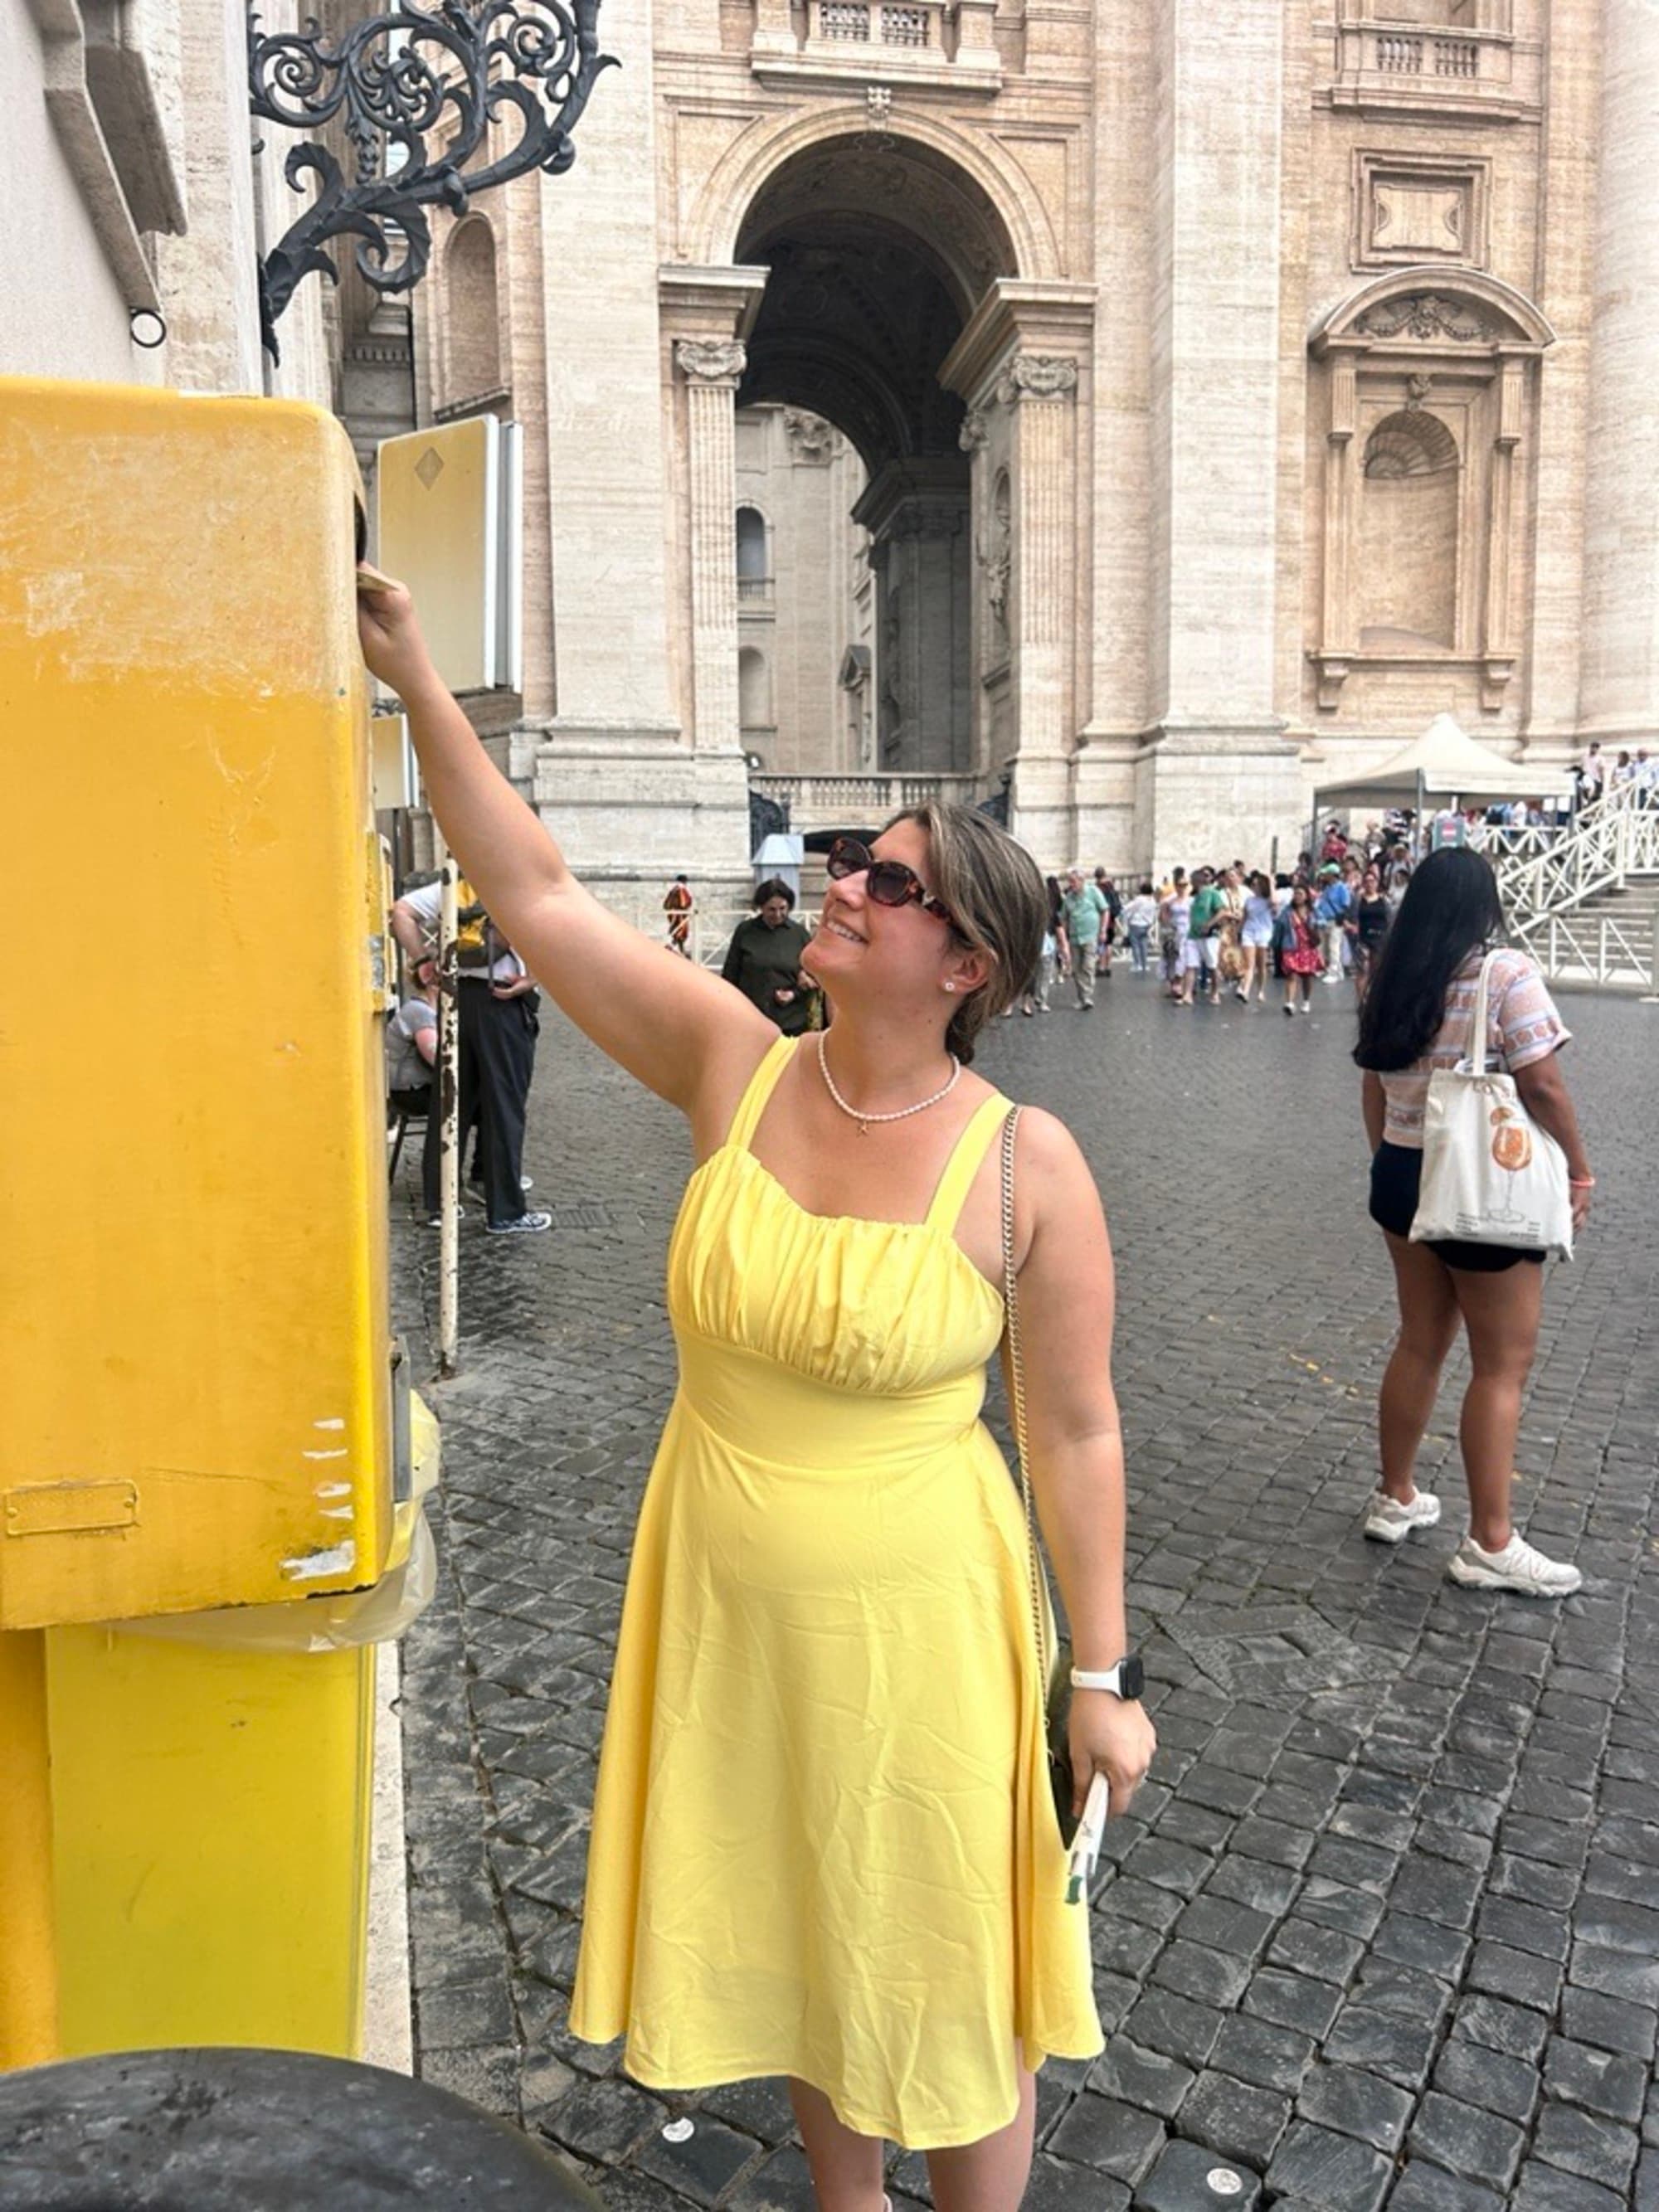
(764, 959)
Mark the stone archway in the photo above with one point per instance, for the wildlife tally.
(876, 259)
(908, 299)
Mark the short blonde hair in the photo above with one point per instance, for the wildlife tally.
(995, 892)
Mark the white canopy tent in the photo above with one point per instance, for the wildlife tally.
(1445, 764)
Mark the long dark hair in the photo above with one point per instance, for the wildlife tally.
(1451, 906)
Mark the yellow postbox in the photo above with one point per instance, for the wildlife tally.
(200, 1409)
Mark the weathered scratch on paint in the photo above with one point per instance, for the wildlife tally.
(336, 1559)
(338, 1453)
(337, 1423)
(339, 1512)
(333, 1489)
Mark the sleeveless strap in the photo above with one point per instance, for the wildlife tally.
(761, 1083)
(963, 1164)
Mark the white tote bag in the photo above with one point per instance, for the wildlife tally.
(1490, 1176)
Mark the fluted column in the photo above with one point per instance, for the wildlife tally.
(711, 368)
(1619, 683)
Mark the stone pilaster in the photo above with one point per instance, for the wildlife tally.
(605, 476)
(1021, 365)
(1216, 754)
(711, 368)
(1620, 695)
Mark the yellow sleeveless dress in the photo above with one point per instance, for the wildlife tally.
(824, 1843)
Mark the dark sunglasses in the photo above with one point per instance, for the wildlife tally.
(890, 883)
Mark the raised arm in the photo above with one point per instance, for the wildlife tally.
(682, 1031)
(1067, 1296)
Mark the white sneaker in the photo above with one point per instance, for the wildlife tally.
(1388, 1522)
(1518, 1567)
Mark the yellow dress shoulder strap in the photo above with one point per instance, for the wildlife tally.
(983, 1129)
(761, 1083)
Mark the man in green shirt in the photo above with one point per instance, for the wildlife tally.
(1203, 939)
(1084, 909)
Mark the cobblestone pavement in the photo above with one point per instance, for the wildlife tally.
(1384, 1928)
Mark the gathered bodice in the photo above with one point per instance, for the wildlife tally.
(840, 1315)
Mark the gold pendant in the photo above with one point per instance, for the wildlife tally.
(864, 1128)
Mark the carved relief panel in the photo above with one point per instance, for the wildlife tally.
(1412, 207)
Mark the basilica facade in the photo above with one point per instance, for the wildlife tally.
(1132, 416)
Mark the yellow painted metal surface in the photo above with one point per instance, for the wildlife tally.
(211, 1825)
(435, 531)
(29, 1965)
(193, 1364)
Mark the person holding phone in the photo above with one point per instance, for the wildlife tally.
(825, 1843)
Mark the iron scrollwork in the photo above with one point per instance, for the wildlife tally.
(396, 80)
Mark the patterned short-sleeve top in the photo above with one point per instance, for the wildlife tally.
(1522, 1026)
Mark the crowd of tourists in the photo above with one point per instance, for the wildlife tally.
(1224, 928)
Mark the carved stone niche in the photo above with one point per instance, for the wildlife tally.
(1425, 389)
(1411, 208)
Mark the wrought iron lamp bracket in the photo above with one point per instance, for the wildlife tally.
(418, 90)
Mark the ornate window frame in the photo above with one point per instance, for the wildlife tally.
(1457, 341)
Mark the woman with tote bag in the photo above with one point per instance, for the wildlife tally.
(1437, 971)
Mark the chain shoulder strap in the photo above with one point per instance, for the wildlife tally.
(1017, 1390)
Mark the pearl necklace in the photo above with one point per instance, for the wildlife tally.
(904, 1112)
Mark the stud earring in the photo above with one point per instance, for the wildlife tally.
(950, 986)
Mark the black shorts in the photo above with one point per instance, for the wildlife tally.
(1396, 1175)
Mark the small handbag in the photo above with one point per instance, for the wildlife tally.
(1053, 1666)
(1490, 1176)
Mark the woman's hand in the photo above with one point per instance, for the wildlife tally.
(1111, 1736)
(389, 633)
(1581, 1206)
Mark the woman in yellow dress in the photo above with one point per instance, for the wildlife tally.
(824, 1841)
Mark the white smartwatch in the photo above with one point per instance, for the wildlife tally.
(1127, 1680)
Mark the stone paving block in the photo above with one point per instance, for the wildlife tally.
(782, 2183)
(1324, 1954)
(760, 2108)
(1328, 2169)
(705, 2165)
(1506, 2028)
(1574, 2073)
(623, 2189)
(1425, 2188)
(1189, 2178)
(1477, 2075)
(1466, 2140)
(1354, 2103)
(1146, 2079)
(1292, 2001)
(487, 2076)
(1600, 2151)
(1193, 1970)
(1056, 2186)
(1175, 2026)
(603, 2120)
(1543, 2188)
(1608, 2023)
(464, 2015)
(1423, 1944)
(1616, 1974)
(1112, 2138)
(1379, 2043)
(1238, 2119)
(1250, 2050)
(1328, 1904)
(1222, 1925)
